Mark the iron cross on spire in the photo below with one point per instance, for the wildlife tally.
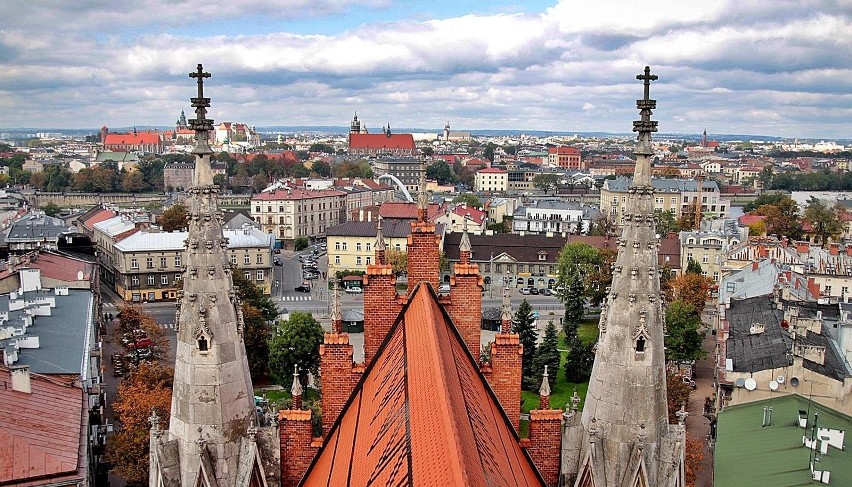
(647, 77)
(200, 74)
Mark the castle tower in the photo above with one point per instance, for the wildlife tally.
(355, 126)
(623, 434)
(213, 436)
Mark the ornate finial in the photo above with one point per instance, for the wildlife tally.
(575, 401)
(506, 308)
(154, 419)
(380, 238)
(336, 315)
(201, 124)
(681, 414)
(252, 431)
(422, 201)
(296, 388)
(464, 244)
(544, 390)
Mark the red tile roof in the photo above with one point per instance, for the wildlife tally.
(565, 149)
(474, 214)
(492, 170)
(381, 141)
(422, 414)
(130, 139)
(296, 194)
(61, 268)
(40, 433)
(749, 219)
(98, 217)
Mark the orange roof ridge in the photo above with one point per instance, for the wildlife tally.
(507, 339)
(546, 414)
(295, 414)
(422, 414)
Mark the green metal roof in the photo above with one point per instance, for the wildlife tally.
(748, 454)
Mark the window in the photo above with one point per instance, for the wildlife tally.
(247, 275)
(688, 256)
(269, 209)
(705, 259)
(358, 260)
(150, 279)
(177, 261)
(260, 275)
(828, 290)
(134, 264)
(280, 209)
(640, 345)
(520, 268)
(844, 290)
(280, 220)
(257, 209)
(358, 247)
(397, 247)
(178, 277)
(202, 344)
(715, 276)
(246, 259)
(260, 258)
(163, 262)
(368, 246)
(344, 245)
(542, 256)
(233, 259)
(674, 200)
(149, 262)
(336, 260)
(164, 279)
(336, 245)
(134, 281)
(368, 260)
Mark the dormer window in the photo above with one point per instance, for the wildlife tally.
(542, 255)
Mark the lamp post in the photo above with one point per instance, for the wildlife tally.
(491, 272)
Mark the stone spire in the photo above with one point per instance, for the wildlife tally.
(296, 389)
(212, 400)
(506, 315)
(380, 243)
(464, 246)
(336, 315)
(626, 399)
(422, 198)
(544, 391)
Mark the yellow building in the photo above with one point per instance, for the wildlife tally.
(149, 266)
(350, 245)
(292, 213)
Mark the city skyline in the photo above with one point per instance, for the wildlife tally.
(779, 69)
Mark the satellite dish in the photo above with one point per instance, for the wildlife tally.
(773, 385)
(740, 382)
(780, 379)
(750, 384)
(794, 382)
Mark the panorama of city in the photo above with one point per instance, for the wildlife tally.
(345, 288)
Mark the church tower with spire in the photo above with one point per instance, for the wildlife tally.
(215, 437)
(623, 437)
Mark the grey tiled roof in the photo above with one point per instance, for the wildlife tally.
(391, 228)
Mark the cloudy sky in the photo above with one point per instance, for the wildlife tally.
(771, 67)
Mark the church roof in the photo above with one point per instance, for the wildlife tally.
(422, 415)
(132, 139)
(381, 141)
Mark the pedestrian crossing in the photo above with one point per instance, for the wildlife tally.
(296, 298)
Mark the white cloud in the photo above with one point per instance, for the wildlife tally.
(588, 106)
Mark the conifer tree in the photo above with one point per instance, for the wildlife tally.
(581, 358)
(547, 354)
(523, 325)
(574, 306)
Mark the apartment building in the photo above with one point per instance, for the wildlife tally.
(565, 157)
(407, 170)
(148, 266)
(553, 216)
(291, 213)
(491, 180)
(676, 195)
(709, 246)
(350, 244)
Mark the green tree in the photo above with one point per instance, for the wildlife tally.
(547, 353)
(442, 172)
(573, 297)
(578, 258)
(221, 180)
(133, 182)
(825, 222)
(469, 198)
(259, 314)
(301, 243)
(764, 199)
(398, 259)
(299, 171)
(51, 209)
(319, 147)
(488, 152)
(579, 362)
(693, 267)
(524, 326)
(546, 182)
(683, 340)
(174, 218)
(321, 169)
(666, 222)
(782, 218)
(295, 342)
(765, 177)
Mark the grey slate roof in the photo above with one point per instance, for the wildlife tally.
(391, 228)
(65, 336)
(36, 227)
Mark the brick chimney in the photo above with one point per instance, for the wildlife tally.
(833, 248)
(544, 444)
(506, 356)
(381, 303)
(424, 256)
(339, 376)
(803, 247)
(297, 443)
(465, 308)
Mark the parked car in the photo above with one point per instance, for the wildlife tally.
(534, 290)
(354, 290)
(304, 288)
(277, 261)
(525, 290)
(689, 382)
